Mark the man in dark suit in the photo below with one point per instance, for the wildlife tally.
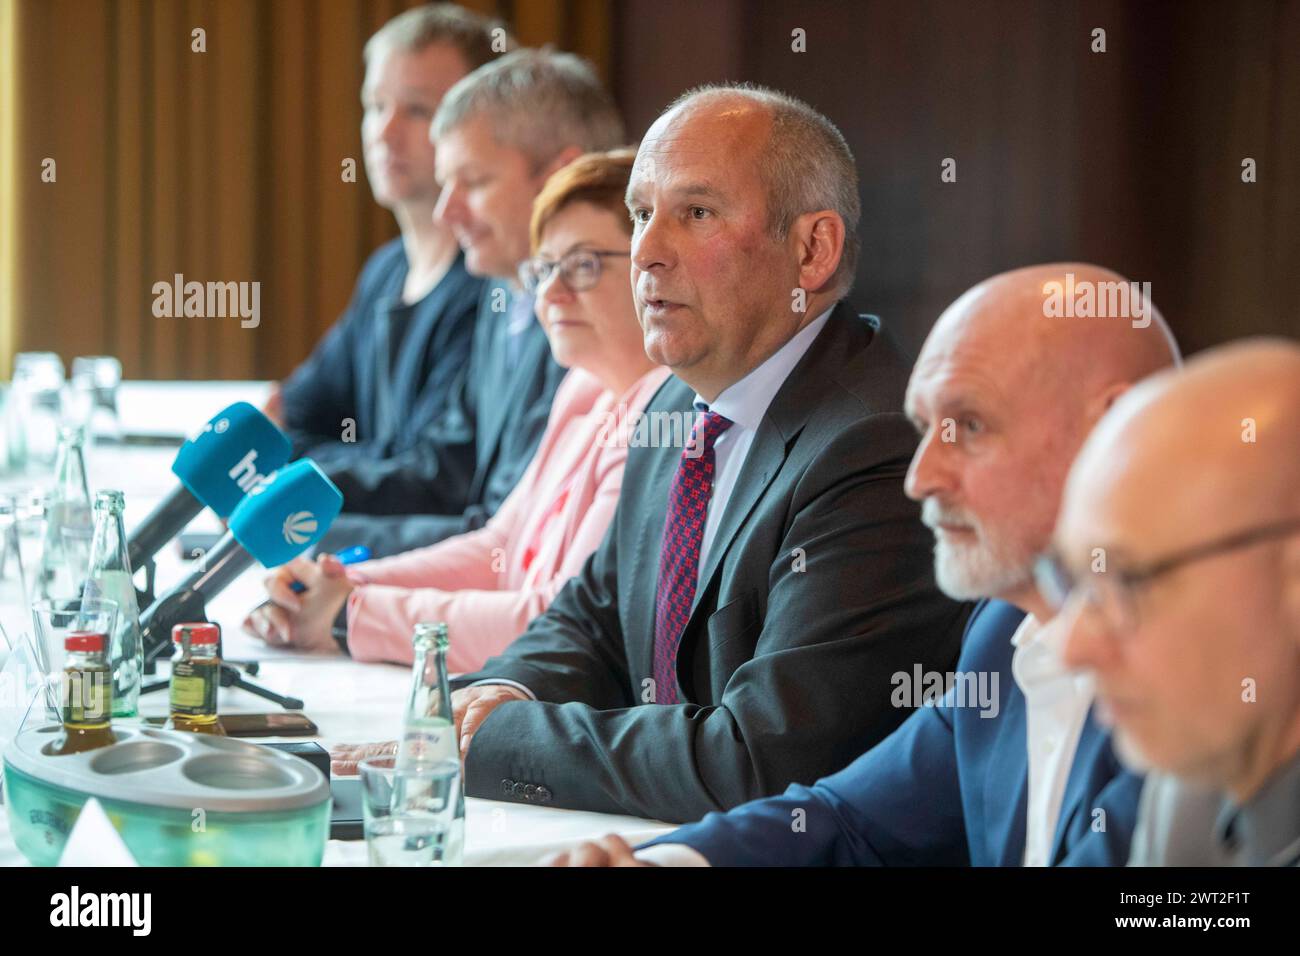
(500, 133)
(1007, 767)
(737, 628)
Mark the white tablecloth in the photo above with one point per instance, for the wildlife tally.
(349, 702)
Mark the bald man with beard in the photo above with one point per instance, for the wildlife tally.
(1003, 396)
(1190, 492)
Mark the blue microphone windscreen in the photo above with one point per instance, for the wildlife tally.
(287, 513)
(235, 450)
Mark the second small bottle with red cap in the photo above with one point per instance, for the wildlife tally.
(196, 674)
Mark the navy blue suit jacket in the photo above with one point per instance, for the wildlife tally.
(947, 788)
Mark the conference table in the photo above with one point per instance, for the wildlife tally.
(349, 702)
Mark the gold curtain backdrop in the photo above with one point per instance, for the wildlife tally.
(221, 166)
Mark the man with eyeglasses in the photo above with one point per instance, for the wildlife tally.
(1003, 395)
(1178, 565)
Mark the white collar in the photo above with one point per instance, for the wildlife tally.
(1026, 632)
(746, 402)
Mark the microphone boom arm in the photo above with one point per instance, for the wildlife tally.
(186, 602)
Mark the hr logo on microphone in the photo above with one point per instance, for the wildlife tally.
(299, 527)
(244, 474)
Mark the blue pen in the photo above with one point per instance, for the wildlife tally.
(350, 556)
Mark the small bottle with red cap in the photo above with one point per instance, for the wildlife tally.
(87, 692)
(196, 674)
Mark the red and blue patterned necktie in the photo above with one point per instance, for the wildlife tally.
(679, 559)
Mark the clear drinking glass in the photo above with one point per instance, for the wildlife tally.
(54, 619)
(92, 396)
(37, 392)
(410, 812)
(32, 506)
(13, 455)
(14, 591)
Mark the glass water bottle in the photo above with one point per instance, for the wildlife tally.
(429, 731)
(68, 522)
(110, 578)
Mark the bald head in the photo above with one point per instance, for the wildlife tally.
(1220, 439)
(1203, 674)
(803, 159)
(736, 124)
(1014, 317)
(1004, 392)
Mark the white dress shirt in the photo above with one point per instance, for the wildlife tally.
(1056, 706)
(744, 403)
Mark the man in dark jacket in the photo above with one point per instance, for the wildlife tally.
(737, 628)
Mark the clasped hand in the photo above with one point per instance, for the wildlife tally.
(303, 620)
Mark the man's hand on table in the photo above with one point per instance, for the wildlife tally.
(345, 758)
(302, 620)
(611, 850)
(470, 706)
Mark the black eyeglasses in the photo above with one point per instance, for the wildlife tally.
(1113, 592)
(579, 270)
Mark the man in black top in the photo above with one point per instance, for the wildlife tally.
(390, 365)
(500, 134)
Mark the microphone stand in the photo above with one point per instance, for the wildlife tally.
(231, 677)
(144, 598)
(217, 568)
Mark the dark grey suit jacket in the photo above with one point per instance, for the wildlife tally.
(818, 588)
(437, 489)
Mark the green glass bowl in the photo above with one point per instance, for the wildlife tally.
(176, 800)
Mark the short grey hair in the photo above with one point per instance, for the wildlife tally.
(538, 101)
(806, 165)
(469, 32)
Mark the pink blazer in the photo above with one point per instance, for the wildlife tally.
(488, 584)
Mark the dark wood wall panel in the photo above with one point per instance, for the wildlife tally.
(225, 165)
(1129, 158)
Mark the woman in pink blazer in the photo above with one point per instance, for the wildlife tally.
(488, 584)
